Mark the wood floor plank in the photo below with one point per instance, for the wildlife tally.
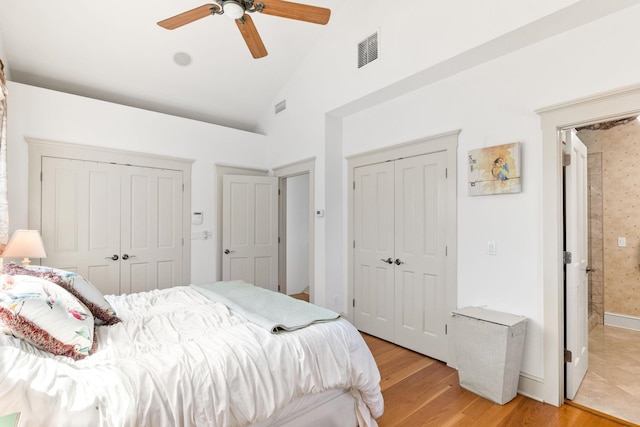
(420, 391)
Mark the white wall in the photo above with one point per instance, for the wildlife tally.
(47, 115)
(491, 97)
(297, 233)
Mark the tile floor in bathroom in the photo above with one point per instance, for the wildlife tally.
(612, 383)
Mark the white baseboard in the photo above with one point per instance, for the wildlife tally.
(622, 321)
(530, 386)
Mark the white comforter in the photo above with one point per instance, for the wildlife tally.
(179, 359)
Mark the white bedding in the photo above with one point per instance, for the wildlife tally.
(179, 359)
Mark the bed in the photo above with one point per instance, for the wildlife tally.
(177, 357)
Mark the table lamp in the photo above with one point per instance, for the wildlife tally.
(25, 244)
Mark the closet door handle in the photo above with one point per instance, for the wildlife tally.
(398, 262)
(114, 257)
(126, 256)
(388, 260)
(227, 251)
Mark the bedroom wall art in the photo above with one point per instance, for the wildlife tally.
(495, 170)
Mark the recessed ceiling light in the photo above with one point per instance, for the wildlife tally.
(182, 58)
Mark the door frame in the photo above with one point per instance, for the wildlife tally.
(611, 105)
(42, 148)
(306, 166)
(443, 142)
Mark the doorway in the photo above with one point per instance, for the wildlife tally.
(606, 106)
(297, 228)
(610, 385)
(297, 218)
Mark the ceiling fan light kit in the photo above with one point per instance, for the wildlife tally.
(233, 9)
(238, 9)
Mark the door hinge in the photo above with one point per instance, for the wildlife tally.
(568, 357)
(446, 251)
(354, 185)
(278, 288)
(40, 176)
(566, 257)
(353, 302)
(183, 188)
(446, 329)
(183, 241)
(278, 239)
(278, 191)
(446, 173)
(566, 159)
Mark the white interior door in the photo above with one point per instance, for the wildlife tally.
(374, 252)
(120, 226)
(576, 235)
(250, 230)
(81, 219)
(420, 279)
(399, 253)
(151, 231)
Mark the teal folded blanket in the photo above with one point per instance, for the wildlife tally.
(270, 310)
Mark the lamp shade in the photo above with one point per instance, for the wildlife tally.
(25, 244)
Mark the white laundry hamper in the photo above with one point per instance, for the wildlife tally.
(488, 346)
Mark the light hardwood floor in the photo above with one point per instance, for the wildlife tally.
(420, 391)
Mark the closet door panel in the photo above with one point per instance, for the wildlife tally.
(151, 238)
(373, 235)
(420, 284)
(81, 219)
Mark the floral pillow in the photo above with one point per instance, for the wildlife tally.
(46, 315)
(80, 287)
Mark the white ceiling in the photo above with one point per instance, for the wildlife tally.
(116, 52)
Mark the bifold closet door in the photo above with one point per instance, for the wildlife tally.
(118, 225)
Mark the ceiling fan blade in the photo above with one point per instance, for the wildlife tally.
(300, 12)
(251, 37)
(189, 16)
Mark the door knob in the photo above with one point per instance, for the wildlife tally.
(388, 260)
(127, 256)
(227, 251)
(398, 262)
(114, 257)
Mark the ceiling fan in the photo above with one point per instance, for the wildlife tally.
(239, 9)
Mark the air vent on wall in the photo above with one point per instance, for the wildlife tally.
(368, 50)
(281, 106)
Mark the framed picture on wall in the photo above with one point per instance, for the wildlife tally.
(495, 170)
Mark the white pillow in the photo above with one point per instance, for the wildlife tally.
(46, 315)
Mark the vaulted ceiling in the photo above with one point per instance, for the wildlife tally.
(115, 51)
